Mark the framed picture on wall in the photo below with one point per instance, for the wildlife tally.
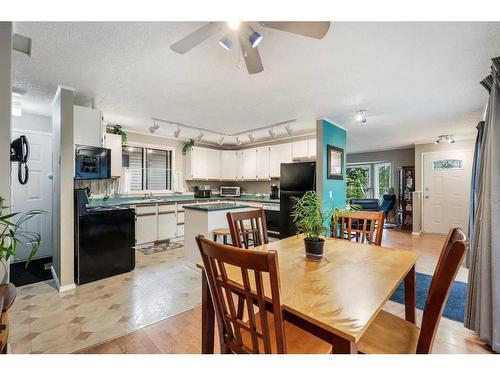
(335, 162)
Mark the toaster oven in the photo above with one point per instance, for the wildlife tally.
(230, 191)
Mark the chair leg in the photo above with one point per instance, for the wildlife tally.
(224, 240)
(215, 238)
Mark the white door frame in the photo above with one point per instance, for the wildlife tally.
(422, 213)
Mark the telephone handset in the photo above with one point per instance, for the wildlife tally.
(20, 152)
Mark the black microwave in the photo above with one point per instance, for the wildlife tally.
(92, 163)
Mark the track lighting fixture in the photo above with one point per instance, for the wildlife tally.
(271, 132)
(221, 141)
(255, 38)
(251, 138)
(177, 133)
(445, 138)
(238, 141)
(200, 136)
(154, 128)
(225, 42)
(288, 129)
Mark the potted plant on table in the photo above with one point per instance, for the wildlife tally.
(309, 219)
(13, 233)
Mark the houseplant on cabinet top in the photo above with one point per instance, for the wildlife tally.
(310, 220)
(13, 233)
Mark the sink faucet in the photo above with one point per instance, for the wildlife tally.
(148, 196)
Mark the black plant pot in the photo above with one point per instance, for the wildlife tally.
(314, 249)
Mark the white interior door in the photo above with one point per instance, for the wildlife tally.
(446, 190)
(37, 193)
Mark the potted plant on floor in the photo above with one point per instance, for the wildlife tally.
(309, 219)
(13, 233)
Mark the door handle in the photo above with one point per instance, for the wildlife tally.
(426, 197)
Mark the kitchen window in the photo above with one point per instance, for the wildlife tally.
(149, 168)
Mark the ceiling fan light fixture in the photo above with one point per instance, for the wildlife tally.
(255, 39)
(225, 42)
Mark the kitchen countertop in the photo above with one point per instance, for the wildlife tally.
(174, 198)
(216, 207)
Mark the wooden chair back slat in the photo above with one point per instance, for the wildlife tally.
(248, 228)
(360, 226)
(439, 290)
(233, 330)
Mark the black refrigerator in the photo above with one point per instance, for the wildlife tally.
(295, 180)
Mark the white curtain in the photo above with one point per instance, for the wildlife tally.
(483, 301)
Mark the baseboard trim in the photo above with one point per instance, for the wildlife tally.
(60, 288)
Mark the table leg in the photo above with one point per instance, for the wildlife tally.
(207, 318)
(410, 296)
(343, 346)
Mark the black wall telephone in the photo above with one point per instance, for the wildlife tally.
(20, 152)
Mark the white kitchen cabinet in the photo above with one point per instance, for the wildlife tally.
(87, 126)
(146, 226)
(229, 165)
(196, 163)
(262, 162)
(114, 143)
(311, 148)
(167, 221)
(213, 164)
(248, 164)
(300, 149)
(281, 153)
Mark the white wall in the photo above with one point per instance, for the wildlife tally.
(5, 119)
(32, 122)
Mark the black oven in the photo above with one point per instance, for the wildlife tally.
(92, 163)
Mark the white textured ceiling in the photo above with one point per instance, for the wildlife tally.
(416, 80)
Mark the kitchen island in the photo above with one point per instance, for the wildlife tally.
(203, 219)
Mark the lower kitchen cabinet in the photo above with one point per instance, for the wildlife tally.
(146, 228)
(167, 222)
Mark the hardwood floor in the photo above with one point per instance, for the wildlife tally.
(182, 333)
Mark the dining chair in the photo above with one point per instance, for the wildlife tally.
(391, 334)
(7, 297)
(254, 332)
(248, 228)
(360, 226)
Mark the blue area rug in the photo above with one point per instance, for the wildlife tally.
(455, 306)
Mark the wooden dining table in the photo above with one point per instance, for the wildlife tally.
(335, 299)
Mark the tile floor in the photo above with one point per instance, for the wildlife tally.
(45, 321)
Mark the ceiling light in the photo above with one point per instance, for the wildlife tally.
(225, 43)
(361, 116)
(447, 137)
(271, 132)
(288, 129)
(154, 128)
(233, 25)
(450, 139)
(221, 141)
(255, 39)
(177, 133)
(251, 138)
(200, 136)
(238, 141)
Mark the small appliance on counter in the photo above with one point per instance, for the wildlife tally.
(230, 191)
(202, 191)
(275, 192)
(92, 163)
(104, 240)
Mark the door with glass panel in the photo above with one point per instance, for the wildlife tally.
(382, 178)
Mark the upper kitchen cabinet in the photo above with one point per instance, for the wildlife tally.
(196, 163)
(305, 149)
(88, 127)
(114, 143)
(262, 162)
(278, 154)
(213, 164)
(229, 165)
(248, 165)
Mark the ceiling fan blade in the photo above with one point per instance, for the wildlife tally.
(311, 29)
(251, 56)
(195, 38)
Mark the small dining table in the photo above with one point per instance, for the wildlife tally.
(335, 299)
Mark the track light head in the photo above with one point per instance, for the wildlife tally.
(255, 39)
(238, 141)
(200, 136)
(225, 42)
(177, 132)
(251, 138)
(271, 132)
(288, 129)
(221, 141)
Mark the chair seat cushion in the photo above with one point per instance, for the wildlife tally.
(389, 334)
(297, 340)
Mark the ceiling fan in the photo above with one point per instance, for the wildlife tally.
(248, 38)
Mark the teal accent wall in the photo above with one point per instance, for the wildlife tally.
(330, 134)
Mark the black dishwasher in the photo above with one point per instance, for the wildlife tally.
(104, 240)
